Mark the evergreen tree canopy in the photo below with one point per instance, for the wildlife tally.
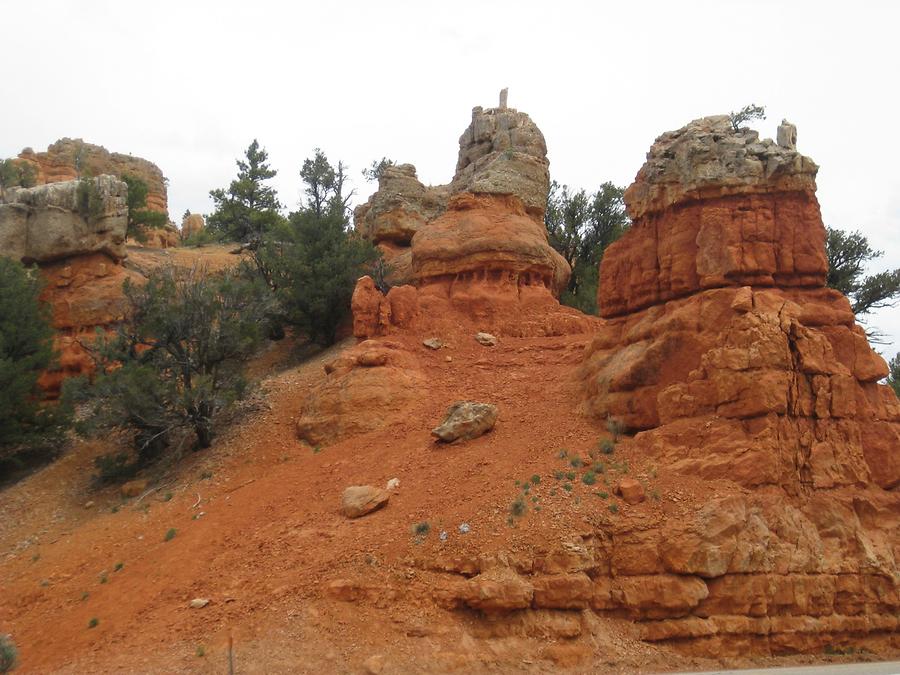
(580, 226)
(848, 256)
(26, 350)
(140, 218)
(313, 260)
(248, 208)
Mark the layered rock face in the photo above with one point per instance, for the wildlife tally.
(67, 159)
(715, 207)
(722, 342)
(45, 223)
(477, 246)
(79, 254)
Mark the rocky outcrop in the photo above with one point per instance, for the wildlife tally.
(68, 159)
(400, 207)
(55, 221)
(723, 346)
(477, 247)
(715, 207)
(503, 152)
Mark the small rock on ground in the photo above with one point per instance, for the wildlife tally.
(199, 603)
(466, 420)
(358, 500)
(433, 343)
(486, 339)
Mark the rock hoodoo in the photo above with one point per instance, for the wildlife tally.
(478, 246)
(723, 343)
(68, 159)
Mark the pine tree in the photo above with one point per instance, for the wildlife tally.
(26, 350)
(248, 208)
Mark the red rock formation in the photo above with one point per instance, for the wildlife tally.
(480, 255)
(722, 342)
(68, 158)
(85, 294)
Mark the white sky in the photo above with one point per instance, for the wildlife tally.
(189, 84)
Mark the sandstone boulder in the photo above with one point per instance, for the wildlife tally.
(50, 222)
(368, 387)
(630, 490)
(358, 500)
(466, 420)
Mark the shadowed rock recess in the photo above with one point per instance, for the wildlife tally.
(722, 343)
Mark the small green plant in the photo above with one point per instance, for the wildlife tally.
(535, 479)
(537, 508)
(103, 578)
(599, 467)
(167, 497)
(518, 507)
(35, 557)
(8, 653)
(558, 475)
(576, 462)
(747, 113)
(589, 478)
(88, 200)
(615, 426)
(317, 449)
(603, 494)
(654, 494)
(607, 447)
(119, 566)
(526, 488)
(571, 475)
(422, 529)
(201, 652)
(563, 453)
(517, 483)
(94, 622)
(613, 508)
(170, 534)
(567, 487)
(535, 500)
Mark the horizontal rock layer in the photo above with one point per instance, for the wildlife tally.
(59, 220)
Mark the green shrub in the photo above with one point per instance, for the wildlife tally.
(589, 478)
(518, 507)
(88, 200)
(422, 529)
(170, 534)
(535, 479)
(607, 446)
(613, 508)
(8, 654)
(176, 364)
(27, 423)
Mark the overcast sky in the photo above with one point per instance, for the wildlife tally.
(189, 84)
